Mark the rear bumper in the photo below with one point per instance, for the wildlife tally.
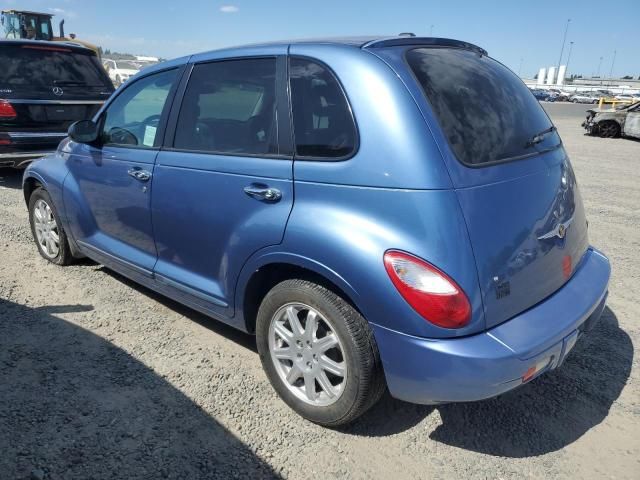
(20, 159)
(429, 371)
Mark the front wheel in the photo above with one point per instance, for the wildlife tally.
(46, 229)
(318, 353)
(608, 129)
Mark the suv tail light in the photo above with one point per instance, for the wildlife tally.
(6, 110)
(431, 293)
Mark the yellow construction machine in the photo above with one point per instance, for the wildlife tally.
(21, 24)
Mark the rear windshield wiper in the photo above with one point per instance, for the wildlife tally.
(539, 137)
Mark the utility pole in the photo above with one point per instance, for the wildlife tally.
(564, 39)
(431, 31)
(598, 74)
(569, 56)
(612, 63)
(599, 65)
(520, 67)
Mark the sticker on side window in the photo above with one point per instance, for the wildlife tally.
(149, 136)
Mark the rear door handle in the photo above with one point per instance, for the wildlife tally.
(138, 174)
(263, 192)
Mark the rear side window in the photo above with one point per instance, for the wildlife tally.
(230, 107)
(35, 66)
(487, 114)
(322, 120)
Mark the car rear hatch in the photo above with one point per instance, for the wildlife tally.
(514, 182)
(44, 88)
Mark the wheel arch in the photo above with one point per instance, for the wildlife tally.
(261, 274)
(614, 121)
(29, 184)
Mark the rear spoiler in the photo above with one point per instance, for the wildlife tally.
(424, 42)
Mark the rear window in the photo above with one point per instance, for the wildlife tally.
(37, 67)
(487, 114)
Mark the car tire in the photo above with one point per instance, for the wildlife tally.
(608, 129)
(298, 378)
(47, 230)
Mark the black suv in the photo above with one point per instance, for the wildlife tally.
(44, 88)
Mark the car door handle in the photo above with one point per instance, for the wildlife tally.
(138, 174)
(263, 192)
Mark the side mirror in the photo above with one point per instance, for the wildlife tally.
(84, 131)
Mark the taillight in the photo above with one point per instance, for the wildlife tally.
(431, 293)
(6, 110)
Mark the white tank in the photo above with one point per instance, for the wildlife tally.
(562, 71)
(551, 75)
(542, 74)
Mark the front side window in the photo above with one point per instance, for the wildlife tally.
(487, 114)
(229, 107)
(322, 120)
(133, 117)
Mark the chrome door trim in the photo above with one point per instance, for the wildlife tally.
(56, 102)
(36, 134)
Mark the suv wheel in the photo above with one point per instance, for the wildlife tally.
(46, 229)
(608, 129)
(318, 353)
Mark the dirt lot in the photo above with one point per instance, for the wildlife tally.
(102, 379)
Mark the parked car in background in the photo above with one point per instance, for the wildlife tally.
(623, 121)
(560, 95)
(586, 97)
(628, 98)
(543, 95)
(44, 88)
(120, 70)
(362, 256)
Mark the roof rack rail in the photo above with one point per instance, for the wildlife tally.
(423, 41)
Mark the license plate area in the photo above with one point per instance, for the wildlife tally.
(61, 113)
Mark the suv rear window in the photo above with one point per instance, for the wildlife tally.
(35, 66)
(487, 114)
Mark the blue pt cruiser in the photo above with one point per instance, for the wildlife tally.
(380, 212)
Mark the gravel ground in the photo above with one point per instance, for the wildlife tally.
(102, 379)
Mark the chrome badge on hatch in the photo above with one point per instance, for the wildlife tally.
(559, 231)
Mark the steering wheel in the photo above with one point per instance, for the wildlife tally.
(152, 121)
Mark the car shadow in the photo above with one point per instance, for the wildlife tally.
(543, 416)
(11, 178)
(76, 406)
(243, 339)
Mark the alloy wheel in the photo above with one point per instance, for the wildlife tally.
(46, 229)
(608, 130)
(308, 354)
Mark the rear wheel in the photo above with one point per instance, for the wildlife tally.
(608, 129)
(46, 229)
(318, 353)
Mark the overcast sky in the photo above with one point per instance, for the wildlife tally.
(524, 36)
